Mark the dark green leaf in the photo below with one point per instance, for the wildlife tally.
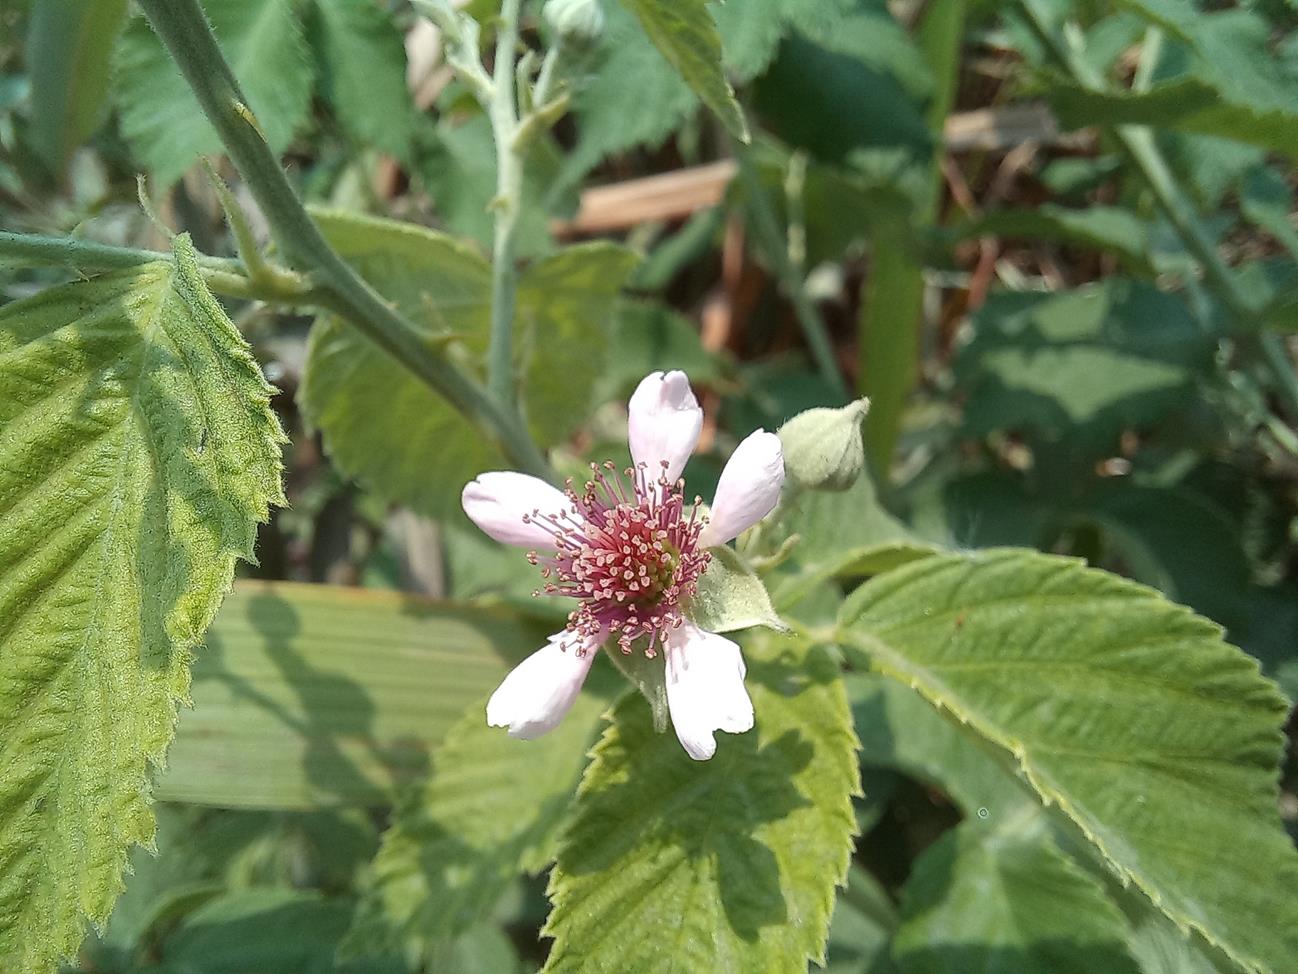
(69, 44)
(261, 40)
(363, 72)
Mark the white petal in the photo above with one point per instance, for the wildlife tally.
(705, 689)
(538, 691)
(497, 502)
(663, 423)
(748, 489)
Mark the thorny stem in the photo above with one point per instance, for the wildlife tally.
(185, 32)
(1138, 143)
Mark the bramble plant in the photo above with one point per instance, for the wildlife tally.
(996, 627)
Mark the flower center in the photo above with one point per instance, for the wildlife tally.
(626, 550)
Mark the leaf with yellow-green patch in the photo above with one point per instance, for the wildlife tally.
(137, 454)
(724, 865)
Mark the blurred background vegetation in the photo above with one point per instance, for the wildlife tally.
(1055, 243)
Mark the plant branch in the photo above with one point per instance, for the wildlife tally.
(184, 30)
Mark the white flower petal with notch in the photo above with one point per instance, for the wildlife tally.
(705, 689)
(748, 490)
(663, 423)
(498, 502)
(538, 692)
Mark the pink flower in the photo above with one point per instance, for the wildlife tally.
(630, 552)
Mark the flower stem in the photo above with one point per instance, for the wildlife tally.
(185, 32)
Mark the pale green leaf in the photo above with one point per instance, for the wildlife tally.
(840, 535)
(730, 596)
(1003, 905)
(363, 72)
(422, 452)
(686, 35)
(69, 45)
(901, 731)
(137, 454)
(381, 424)
(1127, 712)
(161, 119)
(726, 865)
(320, 695)
(565, 306)
(491, 809)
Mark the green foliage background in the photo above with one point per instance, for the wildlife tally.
(1022, 691)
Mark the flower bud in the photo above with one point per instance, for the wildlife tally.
(575, 20)
(823, 448)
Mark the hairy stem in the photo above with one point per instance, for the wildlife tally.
(503, 110)
(185, 32)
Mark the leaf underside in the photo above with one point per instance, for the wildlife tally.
(137, 454)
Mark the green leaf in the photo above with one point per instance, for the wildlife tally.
(266, 929)
(445, 288)
(901, 731)
(730, 596)
(382, 425)
(981, 902)
(723, 865)
(685, 34)
(634, 97)
(861, 930)
(841, 535)
(69, 44)
(1127, 712)
(651, 337)
(458, 166)
(363, 72)
(1086, 363)
(1267, 201)
(261, 40)
(561, 334)
(1107, 228)
(137, 454)
(322, 695)
(1186, 105)
(491, 809)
